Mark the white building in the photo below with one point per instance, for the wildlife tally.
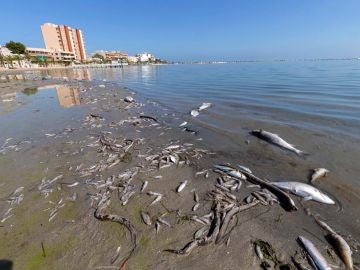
(5, 51)
(145, 57)
(132, 59)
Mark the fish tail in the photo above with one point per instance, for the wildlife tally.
(302, 153)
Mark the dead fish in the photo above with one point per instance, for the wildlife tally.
(157, 226)
(195, 207)
(157, 199)
(144, 185)
(129, 99)
(73, 184)
(340, 245)
(196, 197)
(276, 140)
(152, 193)
(231, 171)
(246, 169)
(204, 106)
(259, 252)
(163, 221)
(304, 190)
(319, 172)
(183, 124)
(101, 86)
(50, 134)
(181, 186)
(146, 218)
(116, 255)
(317, 257)
(194, 113)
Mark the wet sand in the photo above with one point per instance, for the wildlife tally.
(75, 239)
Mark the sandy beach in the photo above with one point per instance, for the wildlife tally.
(60, 168)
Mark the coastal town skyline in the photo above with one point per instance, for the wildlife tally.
(191, 31)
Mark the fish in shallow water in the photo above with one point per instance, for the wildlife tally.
(204, 106)
(194, 113)
(315, 255)
(306, 191)
(319, 172)
(276, 140)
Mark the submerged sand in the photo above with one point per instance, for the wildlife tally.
(75, 239)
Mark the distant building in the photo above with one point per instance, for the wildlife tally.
(4, 51)
(146, 57)
(111, 55)
(132, 59)
(51, 54)
(64, 38)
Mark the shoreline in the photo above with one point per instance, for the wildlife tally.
(260, 223)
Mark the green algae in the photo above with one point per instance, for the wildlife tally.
(52, 252)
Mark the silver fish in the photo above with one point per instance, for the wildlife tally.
(304, 190)
(144, 185)
(116, 255)
(204, 106)
(318, 259)
(194, 113)
(163, 221)
(146, 218)
(181, 186)
(73, 184)
(246, 169)
(196, 197)
(183, 124)
(195, 207)
(157, 199)
(276, 140)
(319, 172)
(157, 226)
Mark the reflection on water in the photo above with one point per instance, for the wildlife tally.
(67, 96)
(30, 91)
(12, 99)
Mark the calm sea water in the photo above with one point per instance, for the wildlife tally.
(322, 95)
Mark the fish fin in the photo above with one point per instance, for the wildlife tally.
(307, 198)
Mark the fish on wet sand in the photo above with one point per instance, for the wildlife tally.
(181, 186)
(163, 221)
(146, 218)
(340, 245)
(144, 185)
(306, 191)
(318, 173)
(314, 253)
(276, 140)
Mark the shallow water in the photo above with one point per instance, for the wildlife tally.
(319, 96)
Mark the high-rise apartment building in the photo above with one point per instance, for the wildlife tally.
(63, 37)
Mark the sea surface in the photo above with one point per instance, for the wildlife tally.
(315, 105)
(315, 95)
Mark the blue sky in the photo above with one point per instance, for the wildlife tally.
(196, 29)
